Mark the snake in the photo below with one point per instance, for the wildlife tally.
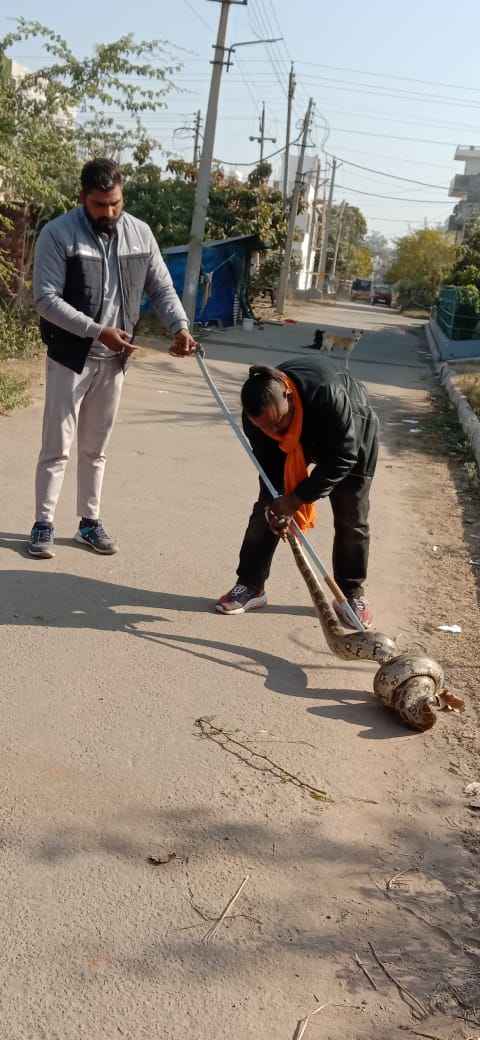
(412, 686)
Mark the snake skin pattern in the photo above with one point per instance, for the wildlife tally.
(411, 686)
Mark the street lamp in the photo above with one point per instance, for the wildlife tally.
(247, 43)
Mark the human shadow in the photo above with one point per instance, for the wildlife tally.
(48, 599)
(283, 676)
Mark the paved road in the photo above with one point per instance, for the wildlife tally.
(106, 665)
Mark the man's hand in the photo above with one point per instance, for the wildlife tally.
(117, 340)
(183, 344)
(280, 512)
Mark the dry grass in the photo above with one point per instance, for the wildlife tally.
(13, 393)
(467, 379)
(415, 312)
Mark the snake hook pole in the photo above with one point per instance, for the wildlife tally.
(334, 588)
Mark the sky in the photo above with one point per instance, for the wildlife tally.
(395, 87)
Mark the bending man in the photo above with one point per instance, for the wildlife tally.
(315, 434)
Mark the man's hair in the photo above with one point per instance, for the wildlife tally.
(263, 387)
(100, 175)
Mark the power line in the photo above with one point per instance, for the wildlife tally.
(394, 137)
(370, 88)
(394, 176)
(391, 75)
(197, 15)
(399, 198)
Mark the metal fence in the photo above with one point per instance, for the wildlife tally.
(455, 324)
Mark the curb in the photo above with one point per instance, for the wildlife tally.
(467, 418)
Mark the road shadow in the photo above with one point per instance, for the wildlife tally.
(41, 598)
(420, 922)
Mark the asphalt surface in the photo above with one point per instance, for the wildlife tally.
(107, 663)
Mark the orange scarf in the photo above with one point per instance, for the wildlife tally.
(295, 465)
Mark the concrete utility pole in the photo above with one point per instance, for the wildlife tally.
(261, 139)
(351, 229)
(196, 141)
(326, 228)
(314, 225)
(197, 230)
(320, 230)
(338, 238)
(285, 271)
(291, 94)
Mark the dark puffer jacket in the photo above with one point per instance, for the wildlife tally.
(339, 432)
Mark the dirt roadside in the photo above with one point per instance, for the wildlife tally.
(367, 904)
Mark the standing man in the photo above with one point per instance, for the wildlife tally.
(315, 434)
(91, 268)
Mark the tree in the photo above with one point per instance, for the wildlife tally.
(381, 252)
(234, 208)
(353, 230)
(361, 263)
(41, 143)
(166, 204)
(466, 270)
(423, 260)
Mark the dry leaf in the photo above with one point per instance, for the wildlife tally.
(158, 861)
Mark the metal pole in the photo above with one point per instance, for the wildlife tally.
(326, 229)
(196, 143)
(197, 230)
(261, 139)
(285, 271)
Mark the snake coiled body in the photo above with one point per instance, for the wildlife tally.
(411, 686)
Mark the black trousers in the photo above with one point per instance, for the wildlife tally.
(350, 501)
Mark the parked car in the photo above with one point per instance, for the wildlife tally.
(382, 294)
(361, 289)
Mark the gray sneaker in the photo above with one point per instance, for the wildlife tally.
(92, 534)
(40, 543)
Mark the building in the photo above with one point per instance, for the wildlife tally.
(466, 187)
(307, 222)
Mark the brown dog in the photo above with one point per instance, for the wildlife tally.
(326, 341)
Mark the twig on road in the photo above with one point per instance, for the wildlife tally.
(222, 736)
(366, 972)
(211, 931)
(302, 1024)
(404, 992)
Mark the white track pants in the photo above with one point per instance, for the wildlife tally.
(85, 405)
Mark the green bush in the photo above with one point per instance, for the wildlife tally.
(414, 297)
(467, 311)
(264, 282)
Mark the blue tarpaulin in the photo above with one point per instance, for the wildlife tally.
(223, 277)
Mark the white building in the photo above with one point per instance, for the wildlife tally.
(307, 222)
(466, 187)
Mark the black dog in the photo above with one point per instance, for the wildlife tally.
(317, 340)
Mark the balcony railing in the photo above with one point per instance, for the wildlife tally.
(459, 186)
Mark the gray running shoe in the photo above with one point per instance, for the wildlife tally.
(92, 534)
(40, 543)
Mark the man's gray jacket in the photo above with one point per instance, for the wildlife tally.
(68, 281)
